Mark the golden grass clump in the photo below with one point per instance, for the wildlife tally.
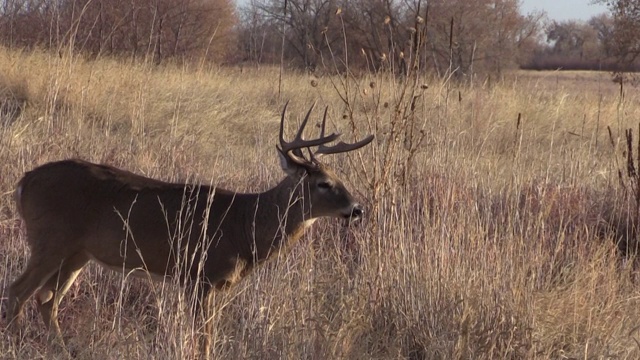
(495, 214)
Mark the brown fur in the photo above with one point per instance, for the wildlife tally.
(75, 211)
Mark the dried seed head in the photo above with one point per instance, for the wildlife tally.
(420, 20)
(372, 84)
(424, 86)
(387, 20)
(385, 105)
(339, 11)
(314, 83)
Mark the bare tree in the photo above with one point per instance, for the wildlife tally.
(626, 27)
(461, 36)
(380, 29)
(603, 25)
(159, 28)
(257, 36)
(306, 25)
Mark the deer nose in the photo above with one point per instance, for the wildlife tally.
(357, 211)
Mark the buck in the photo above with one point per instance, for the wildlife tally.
(75, 211)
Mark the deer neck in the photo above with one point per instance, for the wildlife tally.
(280, 218)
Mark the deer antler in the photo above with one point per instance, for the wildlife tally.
(293, 148)
(341, 146)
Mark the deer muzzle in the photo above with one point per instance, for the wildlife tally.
(356, 212)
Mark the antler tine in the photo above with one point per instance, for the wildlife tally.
(324, 121)
(343, 147)
(304, 123)
(339, 147)
(298, 142)
(284, 113)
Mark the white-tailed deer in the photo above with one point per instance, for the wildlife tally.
(75, 211)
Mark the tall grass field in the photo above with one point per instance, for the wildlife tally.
(500, 213)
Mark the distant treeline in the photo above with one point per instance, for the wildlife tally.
(559, 62)
(458, 37)
(157, 29)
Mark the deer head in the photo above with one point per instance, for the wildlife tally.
(318, 187)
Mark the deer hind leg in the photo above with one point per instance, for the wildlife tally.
(208, 312)
(38, 271)
(201, 294)
(51, 293)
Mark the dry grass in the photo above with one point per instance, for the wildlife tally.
(499, 241)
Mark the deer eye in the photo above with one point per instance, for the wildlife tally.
(324, 185)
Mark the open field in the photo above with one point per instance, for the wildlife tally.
(486, 236)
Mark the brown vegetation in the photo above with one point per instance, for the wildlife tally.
(468, 36)
(203, 238)
(484, 236)
(459, 37)
(157, 30)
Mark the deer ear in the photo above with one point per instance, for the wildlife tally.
(290, 167)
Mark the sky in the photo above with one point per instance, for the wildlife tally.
(564, 9)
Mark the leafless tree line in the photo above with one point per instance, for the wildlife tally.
(604, 42)
(478, 36)
(626, 29)
(456, 36)
(461, 35)
(158, 29)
